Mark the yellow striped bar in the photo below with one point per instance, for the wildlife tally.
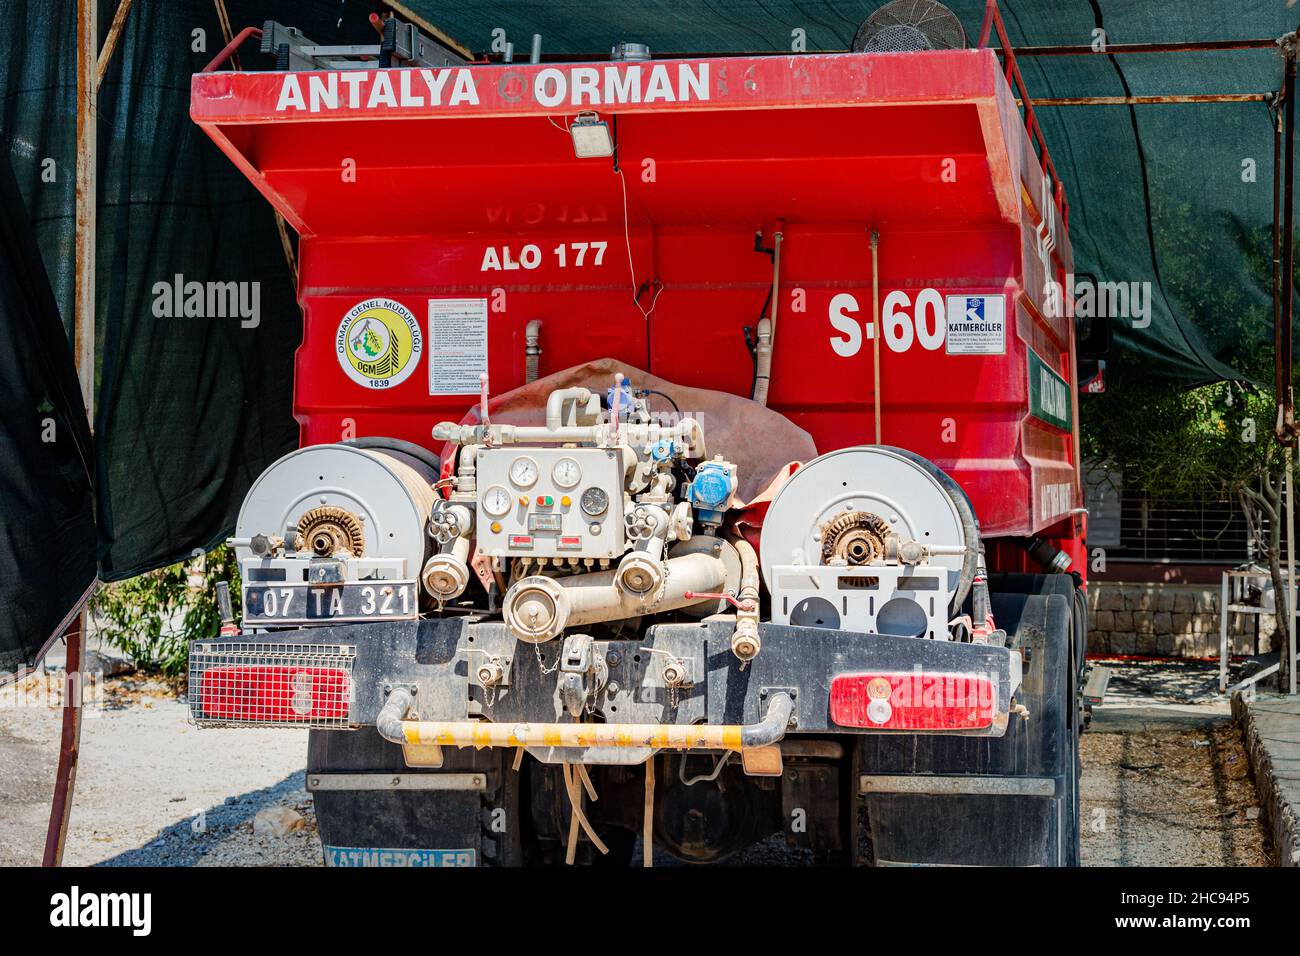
(477, 734)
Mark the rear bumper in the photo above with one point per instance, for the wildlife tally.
(437, 662)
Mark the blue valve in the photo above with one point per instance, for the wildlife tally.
(625, 399)
(712, 486)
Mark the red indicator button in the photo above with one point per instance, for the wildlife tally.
(545, 501)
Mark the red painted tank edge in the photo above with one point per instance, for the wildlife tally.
(944, 76)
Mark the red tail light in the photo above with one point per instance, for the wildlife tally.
(913, 701)
(263, 693)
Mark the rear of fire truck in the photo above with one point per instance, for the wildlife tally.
(689, 455)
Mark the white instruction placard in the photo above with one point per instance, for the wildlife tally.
(458, 345)
(977, 325)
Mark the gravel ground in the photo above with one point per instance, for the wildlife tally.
(152, 789)
(1165, 781)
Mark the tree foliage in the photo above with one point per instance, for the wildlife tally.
(153, 617)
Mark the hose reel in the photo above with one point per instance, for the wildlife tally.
(871, 538)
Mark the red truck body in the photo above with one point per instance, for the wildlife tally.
(900, 221)
(426, 185)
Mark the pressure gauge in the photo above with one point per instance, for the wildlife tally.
(595, 501)
(566, 473)
(497, 501)
(523, 472)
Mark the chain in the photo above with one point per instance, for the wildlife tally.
(537, 649)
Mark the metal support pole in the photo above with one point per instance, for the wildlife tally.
(1290, 571)
(1154, 99)
(84, 306)
(65, 777)
(1286, 432)
(1225, 595)
(84, 352)
(1285, 425)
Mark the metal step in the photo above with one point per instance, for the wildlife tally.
(1094, 692)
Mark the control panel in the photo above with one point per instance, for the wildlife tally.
(550, 502)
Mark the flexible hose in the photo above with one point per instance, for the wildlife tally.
(966, 514)
(378, 442)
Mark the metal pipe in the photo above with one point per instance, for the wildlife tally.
(391, 715)
(875, 326)
(1167, 98)
(1116, 49)
(536, 55)
(231, 47)
(556, 401)
(745, 640)
(766, 331)
(1177, 46)
(538, 608)
(686, 432)
(446, 574)
(478, 733)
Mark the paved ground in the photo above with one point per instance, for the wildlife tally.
(1166, 781)
(1272, 734)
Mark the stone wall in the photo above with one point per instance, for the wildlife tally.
(1166, 620)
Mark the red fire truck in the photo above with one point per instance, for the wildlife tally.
(689, 455)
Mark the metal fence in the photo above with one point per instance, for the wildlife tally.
(1134, 526)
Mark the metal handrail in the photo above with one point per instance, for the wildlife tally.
(993, 21)
(229, 49)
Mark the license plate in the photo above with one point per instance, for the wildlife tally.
(306, 604)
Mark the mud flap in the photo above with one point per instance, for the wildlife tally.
(373, 810)
(1010, 801)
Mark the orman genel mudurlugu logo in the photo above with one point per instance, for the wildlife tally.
(379, 343)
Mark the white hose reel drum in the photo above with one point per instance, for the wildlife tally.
(833, 536)
(383, 496)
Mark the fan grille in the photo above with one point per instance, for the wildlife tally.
(909, 25)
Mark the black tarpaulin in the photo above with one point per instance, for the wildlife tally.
(47, 531)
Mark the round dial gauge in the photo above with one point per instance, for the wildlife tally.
(595, 501)
(496, 501)
(566, 473)
(523, 472)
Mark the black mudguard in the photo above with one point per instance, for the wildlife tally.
(1014, 799)
(385, 825)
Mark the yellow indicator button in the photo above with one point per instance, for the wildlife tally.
(496, 527)
(565, 501)
(523, 500)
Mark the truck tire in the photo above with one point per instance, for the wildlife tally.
(487, 821)
(1011, 820)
